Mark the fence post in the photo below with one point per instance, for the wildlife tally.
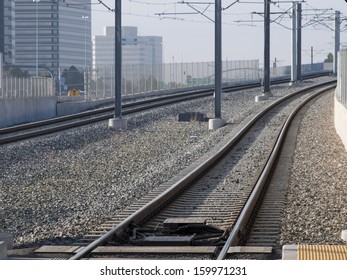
(59, 81)
(19, 87)
(15, 87)
(144, 76)
(125, 79)
(138, 79)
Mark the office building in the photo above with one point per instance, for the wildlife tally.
(48, 34)
(136, 50)
(7, 47)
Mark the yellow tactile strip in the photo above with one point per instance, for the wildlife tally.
(322, 252)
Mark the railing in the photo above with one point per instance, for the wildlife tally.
(13, 88)
(148, 78)
(99, 83)
(144, 78)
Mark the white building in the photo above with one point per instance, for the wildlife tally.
(136, 50)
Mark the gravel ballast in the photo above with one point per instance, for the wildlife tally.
(57, 187)
(316, 211)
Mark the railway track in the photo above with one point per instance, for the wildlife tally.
(206, 209)
(40, 128)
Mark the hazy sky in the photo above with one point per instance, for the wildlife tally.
(190, 37)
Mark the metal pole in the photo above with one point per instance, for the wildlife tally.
(267, 46)
(118, 59)
(59, 73)
(104, 83)
(337, 40)
(294, 68)
(218, 58)
(311, 58)
(37, 38)
(85, 40)
(298, 41)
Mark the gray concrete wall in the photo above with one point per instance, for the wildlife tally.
(67, 105)
(72, 106)
(340, 106)
(23, 110)
(340, 120)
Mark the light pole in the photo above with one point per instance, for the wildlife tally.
(85, 40)
(37, 38)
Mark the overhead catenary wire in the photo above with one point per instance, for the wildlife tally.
(318, 20)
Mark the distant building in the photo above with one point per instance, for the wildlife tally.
(136, 50)
(7, 31)
(46, 33)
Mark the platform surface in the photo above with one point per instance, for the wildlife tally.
(314, 252)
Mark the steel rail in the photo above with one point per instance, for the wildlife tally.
(265, 175)
(129, 108)
(157, 102)
(185, 93)
(172, 191)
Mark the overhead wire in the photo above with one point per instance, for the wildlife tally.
(171, 13)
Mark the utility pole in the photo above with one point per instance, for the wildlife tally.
(337, 40)
(267, 46)
(218, 58)
(217, 122)
(37, 38)
(311, 58)
(266, 77)
(298, 41)
(294, 74)
(117, 122)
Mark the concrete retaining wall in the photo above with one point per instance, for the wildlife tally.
(67, 105)
(23, 110)
(71, 106)
(340, 120)
(340, 110)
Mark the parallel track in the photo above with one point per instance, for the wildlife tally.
(188, 194)
(27, 131)
(264, 228)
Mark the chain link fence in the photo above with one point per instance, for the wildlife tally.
(99, 83)
(140, 78)
(148, 78)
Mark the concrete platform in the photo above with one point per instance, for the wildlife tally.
(314, 252)
(3, 250)
(7, 238)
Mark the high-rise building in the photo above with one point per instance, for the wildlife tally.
(48, 34)
(2, 23)
(7, 31)
(136, 50)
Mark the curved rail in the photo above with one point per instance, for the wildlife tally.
(246, 212)
(128, 109)
(159, 201)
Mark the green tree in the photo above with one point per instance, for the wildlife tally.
(330, 58)
(74, 79)
(17, 72)
(45, 74)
